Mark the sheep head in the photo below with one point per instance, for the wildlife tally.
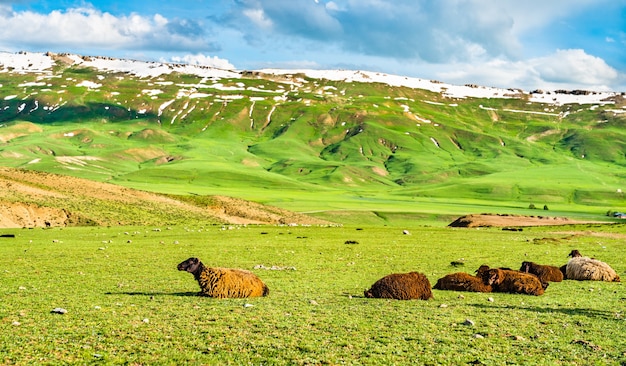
(574, 253)
(190, 265)
(525, 267)
(482, 269)
(492, 276)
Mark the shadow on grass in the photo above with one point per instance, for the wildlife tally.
(153, 293)
(591, 313)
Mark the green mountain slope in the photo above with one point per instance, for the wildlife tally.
(286, 138)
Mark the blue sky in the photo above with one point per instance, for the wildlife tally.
(548, 44)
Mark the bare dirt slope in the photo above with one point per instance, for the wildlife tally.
(36, 199)
(504, 220)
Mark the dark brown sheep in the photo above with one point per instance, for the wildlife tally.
(545, 273)
(514, 282)
(574, 253)
(224, 282)
(485, 267)
(462, 281)
(401, 286)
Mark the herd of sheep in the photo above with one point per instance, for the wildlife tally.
(530, 279)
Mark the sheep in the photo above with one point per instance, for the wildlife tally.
(462, 281)
(224, 282)
(589, 269)
(514, 282)
(545, 273)
(401, 286)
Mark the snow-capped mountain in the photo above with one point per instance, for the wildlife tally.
(27, 62)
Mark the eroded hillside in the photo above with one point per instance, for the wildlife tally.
(140, 123)
(36, 199)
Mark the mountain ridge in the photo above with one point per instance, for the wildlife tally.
(42, 62)
(278, 137)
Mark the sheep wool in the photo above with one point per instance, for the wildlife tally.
(224, 282)
(514, 282)
(401, 286)
(462, 281)
(589, 269)
(544, 272)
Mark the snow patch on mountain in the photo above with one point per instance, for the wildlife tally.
(42, 63)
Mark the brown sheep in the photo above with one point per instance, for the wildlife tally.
(401, 286)
(514, 282)
(462, 281)
(483, 268)
(545, 273)
(224, 282)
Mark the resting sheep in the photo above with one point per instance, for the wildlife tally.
(514, 282)
(588, 269)
(462, 281)
(224, 282)
(545, 273)
(401, 286)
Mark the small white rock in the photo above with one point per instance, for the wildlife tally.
(490, 299)
(313, 302)
(59, 311)
(246, 305)
(469, 322)
(443, 305)
(478, 336)
(146, 320)
(16, 324)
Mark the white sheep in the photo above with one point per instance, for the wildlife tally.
(589, 269)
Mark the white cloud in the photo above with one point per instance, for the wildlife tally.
(332, 6)
(88, 28)
(203, 60)
(574, 66)
(258, 17)
(534, 14)
(564, 69)
(403, 29)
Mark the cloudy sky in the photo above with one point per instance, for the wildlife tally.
(549, 44)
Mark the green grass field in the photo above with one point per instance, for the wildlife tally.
(374, 158)
(127, 304)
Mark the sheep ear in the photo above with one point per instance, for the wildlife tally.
(493, 278)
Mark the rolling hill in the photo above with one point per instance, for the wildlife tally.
(309, 140)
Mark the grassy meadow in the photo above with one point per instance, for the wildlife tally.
(127, 304)
(374, 158)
